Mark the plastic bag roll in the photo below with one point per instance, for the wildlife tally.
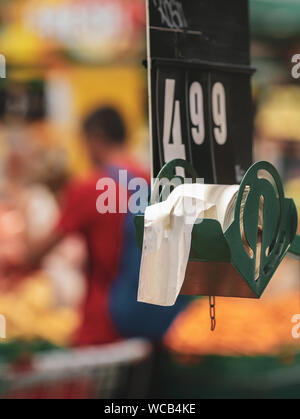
(167, 236)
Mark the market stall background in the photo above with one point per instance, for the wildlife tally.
(63, 58)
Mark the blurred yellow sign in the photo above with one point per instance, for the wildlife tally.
(88, 30)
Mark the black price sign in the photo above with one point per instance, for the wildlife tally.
(199, 83)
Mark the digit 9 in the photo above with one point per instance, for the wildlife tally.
(219, 113)
(197, 113)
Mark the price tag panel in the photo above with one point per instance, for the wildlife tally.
(201, 109)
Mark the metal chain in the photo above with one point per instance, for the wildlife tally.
(212, 313)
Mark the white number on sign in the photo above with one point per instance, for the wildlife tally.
(197, 113)
(172, 125)
(219, 113)
(172, 134)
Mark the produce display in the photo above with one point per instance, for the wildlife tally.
(244, 328)
(29, 302)
(31, 314)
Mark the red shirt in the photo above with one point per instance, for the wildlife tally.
(104, 237)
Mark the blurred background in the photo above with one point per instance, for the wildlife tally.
(64, 58)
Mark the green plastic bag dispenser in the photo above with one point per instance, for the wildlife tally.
(240, 261)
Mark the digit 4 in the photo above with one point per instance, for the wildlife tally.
(172, 134)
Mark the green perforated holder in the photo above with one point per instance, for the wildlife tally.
(253, 244)
(295, 247)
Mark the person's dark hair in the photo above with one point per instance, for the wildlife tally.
(107, 122)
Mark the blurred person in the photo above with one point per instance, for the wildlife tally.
(110, 310)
